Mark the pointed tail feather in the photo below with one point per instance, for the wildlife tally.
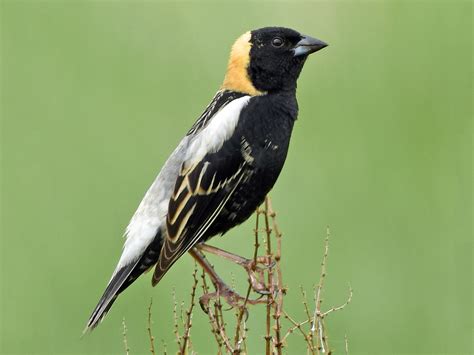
(113, 289)
(123, 278)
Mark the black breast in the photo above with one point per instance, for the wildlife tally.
(264, 132)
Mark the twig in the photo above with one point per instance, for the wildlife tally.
(244, 336)
(181, 313)
(175, 319)
(298, 326)
(220, 318)
(268, 231)
(150, 335)
(214, 330)
(189, 312)
(125, 341)
(346, 343)
(317, 323)
(243, 309)
(333, 309)
(219, 329)
(280, 292)
(310, 319)
(322, 339)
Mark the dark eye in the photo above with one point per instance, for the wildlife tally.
(277, 42)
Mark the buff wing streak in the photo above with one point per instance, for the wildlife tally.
(200, 194)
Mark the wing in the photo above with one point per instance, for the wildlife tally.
(201, 191)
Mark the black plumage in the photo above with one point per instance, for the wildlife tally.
(264, 129)
(226, 164)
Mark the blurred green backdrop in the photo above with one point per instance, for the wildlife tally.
(96, 94)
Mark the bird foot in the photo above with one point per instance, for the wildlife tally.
(255, 268)
(256, 273)
(232, 298)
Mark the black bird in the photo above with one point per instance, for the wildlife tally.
(223, 168)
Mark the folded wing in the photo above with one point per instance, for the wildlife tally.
(200, 194)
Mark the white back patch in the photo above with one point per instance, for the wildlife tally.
(219, 129)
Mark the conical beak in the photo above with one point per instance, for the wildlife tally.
(308, 45)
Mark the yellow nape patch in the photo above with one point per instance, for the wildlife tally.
(237, 78)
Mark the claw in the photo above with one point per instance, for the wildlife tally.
(246, 314)
(258, 285)
(204, 306)
(256, 273)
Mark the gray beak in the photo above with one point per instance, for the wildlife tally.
(308, 45)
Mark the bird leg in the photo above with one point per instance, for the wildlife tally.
(222, 290)
(255, 272)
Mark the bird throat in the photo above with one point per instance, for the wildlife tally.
(237, 77)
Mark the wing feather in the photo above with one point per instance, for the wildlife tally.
(192, 210)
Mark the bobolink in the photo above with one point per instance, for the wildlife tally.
(223, 168)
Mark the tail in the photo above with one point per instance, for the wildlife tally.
(119, 282)
(123, 278)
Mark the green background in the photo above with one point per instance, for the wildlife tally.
(96, 94)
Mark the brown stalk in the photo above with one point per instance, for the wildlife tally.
(318, 323)
(243, 309)
(150, 335)
(189, 313)
(280, 291)
(268, 337)
(175, 320)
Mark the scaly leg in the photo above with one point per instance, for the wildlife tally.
(256, 273)
(231, 297)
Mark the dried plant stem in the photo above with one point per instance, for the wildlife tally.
(125, 340)
(150, 335)
(298, 325)
(268, 336)
(189, 313)
(318, 323)
(215, 319)
(338, 308)
(309, 338)
(238, 338)
(280, 291)
(175, 320)
(214, 329)
(220, 320)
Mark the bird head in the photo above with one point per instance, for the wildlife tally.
(268, 59)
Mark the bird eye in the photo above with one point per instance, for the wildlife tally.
(277, 42)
